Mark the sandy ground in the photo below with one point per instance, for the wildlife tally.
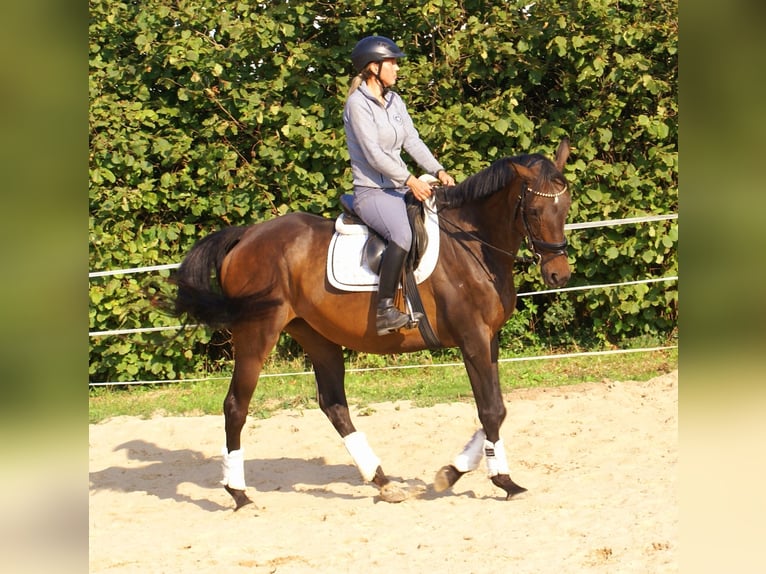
(600, 461)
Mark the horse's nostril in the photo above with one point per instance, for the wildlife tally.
(558, 279)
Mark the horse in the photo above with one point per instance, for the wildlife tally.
(263, 279)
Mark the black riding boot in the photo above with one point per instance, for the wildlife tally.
(389, 318)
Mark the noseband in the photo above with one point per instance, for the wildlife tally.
(537, 246)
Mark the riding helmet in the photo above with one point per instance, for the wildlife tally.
(374, 49)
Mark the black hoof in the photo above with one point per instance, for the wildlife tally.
(446, 478)
(239, 496)
(511, 488)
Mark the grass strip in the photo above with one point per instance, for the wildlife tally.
(425, 385)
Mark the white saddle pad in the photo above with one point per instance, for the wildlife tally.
(346, 269)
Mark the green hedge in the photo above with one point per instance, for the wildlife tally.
(205, 114)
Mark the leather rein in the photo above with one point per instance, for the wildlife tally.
(536, 246)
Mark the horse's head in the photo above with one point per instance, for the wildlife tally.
(543, 206)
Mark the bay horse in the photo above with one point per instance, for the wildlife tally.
(269, 277)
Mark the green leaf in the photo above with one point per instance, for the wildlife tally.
(649, 255)
(501, 125)
(595, 194)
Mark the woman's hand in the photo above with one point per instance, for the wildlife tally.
(445, 178)
(420, 189)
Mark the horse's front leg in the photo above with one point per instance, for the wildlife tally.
(481, 364)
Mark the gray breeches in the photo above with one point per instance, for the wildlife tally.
(384, 211)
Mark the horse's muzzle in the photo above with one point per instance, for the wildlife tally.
(556, 271)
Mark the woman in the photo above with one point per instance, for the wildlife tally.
(377, 128)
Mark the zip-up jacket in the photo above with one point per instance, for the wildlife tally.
(375, 136)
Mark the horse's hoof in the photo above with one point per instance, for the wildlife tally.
(392, 492)
(240, 498)
(511, 488)
(446, 477)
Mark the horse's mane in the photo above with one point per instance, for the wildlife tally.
(497, 176)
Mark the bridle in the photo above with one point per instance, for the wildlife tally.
(536, 246)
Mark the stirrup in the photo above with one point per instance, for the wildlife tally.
(414, 320)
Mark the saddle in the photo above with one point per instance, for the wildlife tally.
(356, 252)
(375, 245)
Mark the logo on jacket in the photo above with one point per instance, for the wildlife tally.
(397, 118)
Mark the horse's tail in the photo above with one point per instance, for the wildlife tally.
(199, 295)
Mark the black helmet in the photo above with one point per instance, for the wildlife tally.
(374, 49)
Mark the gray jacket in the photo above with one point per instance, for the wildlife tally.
(375, 137)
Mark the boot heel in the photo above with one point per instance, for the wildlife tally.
(389, 318)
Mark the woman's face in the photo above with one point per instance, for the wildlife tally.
(388, 71)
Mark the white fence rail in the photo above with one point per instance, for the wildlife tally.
(568, 227)
(401, 367)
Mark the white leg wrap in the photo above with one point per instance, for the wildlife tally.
(234, 469)
(497, 463)
(359, 449)
(470, 458)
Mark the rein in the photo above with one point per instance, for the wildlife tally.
(535, 245)
(472, 235)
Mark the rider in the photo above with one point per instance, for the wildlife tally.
(377, 128)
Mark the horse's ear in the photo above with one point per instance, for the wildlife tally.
(562, 154)
(523, 172)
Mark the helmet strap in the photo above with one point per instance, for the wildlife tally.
(368, 73)
(383, 88)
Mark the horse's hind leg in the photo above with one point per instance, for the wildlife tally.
(252, 344)
(329, 370)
